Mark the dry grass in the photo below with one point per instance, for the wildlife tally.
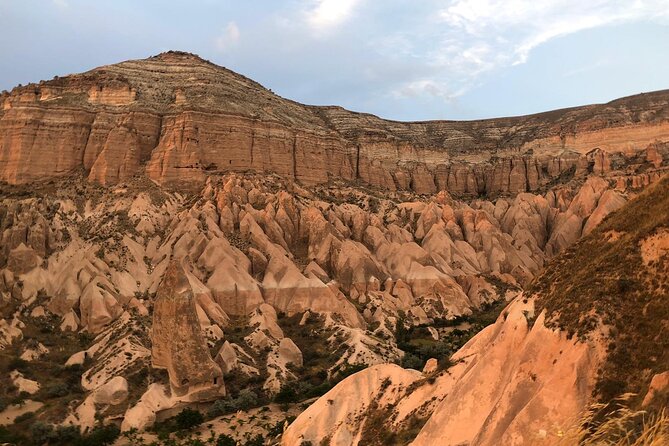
(603, 281)
(622, 427)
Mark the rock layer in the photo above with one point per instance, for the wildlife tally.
(178, 118)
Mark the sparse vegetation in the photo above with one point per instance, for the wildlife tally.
(41, 433)
(419, 345)
(188, 419)
(600, 426)
(603, 280)
(185, 438)
(245, 400)
(225, 440)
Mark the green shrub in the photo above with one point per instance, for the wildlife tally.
(101, 436)
(67, 436)
(41, 432)
(225, 440)
(57, 390)
(188, 418)
(286, 395)
(350, 369)
(246, 399)
(18, 364)
(258, 440)
(220, 407)
(411, 361)
(24, 417)
(7, 436)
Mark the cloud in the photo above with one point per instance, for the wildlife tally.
(61, 3)
(474, 37)
(427, 87)
(323, 15)
(584, 69)
(523, 25)
(229, 37)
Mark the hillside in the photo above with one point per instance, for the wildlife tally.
(179, 246)
(593, 326)
(179, 118)
(618, 276)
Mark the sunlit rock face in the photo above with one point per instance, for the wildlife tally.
(174, 233)
(513, 383)
(551, 357)
(177, 341)
(241, 279)
(178, 118)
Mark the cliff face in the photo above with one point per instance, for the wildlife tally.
(580, 333)
(178, 118)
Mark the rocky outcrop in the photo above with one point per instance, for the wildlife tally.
(328, 420)
(516, 382)
(262, 279)
(570, 340)
(177, 342)
(114, 392)
(179, 118)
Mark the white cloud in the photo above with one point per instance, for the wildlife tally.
(473, 37)
(584, 69)
(426, 87)
(323, 15)
(229, 37)
(525, 24)
(61, 3)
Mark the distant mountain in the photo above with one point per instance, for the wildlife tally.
(178, 117)
(174, 236)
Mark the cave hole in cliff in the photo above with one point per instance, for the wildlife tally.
(215, 380)
(184, 382)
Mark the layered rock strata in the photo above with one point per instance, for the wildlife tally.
(178, 118)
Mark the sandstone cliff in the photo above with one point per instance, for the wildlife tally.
(304, 243)
(178, 118)
(512, 384)
(592, 327)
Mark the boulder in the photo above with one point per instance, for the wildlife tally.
(114, 392)
(289, 353)
(431, 366)
(22, 259)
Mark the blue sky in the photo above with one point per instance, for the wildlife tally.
(399, 59)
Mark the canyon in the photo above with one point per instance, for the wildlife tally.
(176, 237)
(178, 118)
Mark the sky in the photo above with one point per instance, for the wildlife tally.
(398, 59)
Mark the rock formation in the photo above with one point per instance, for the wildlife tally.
(527, 379)
(511, 384)
(167, 225)
(225, 280)
(178, 118)
(177, 342)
